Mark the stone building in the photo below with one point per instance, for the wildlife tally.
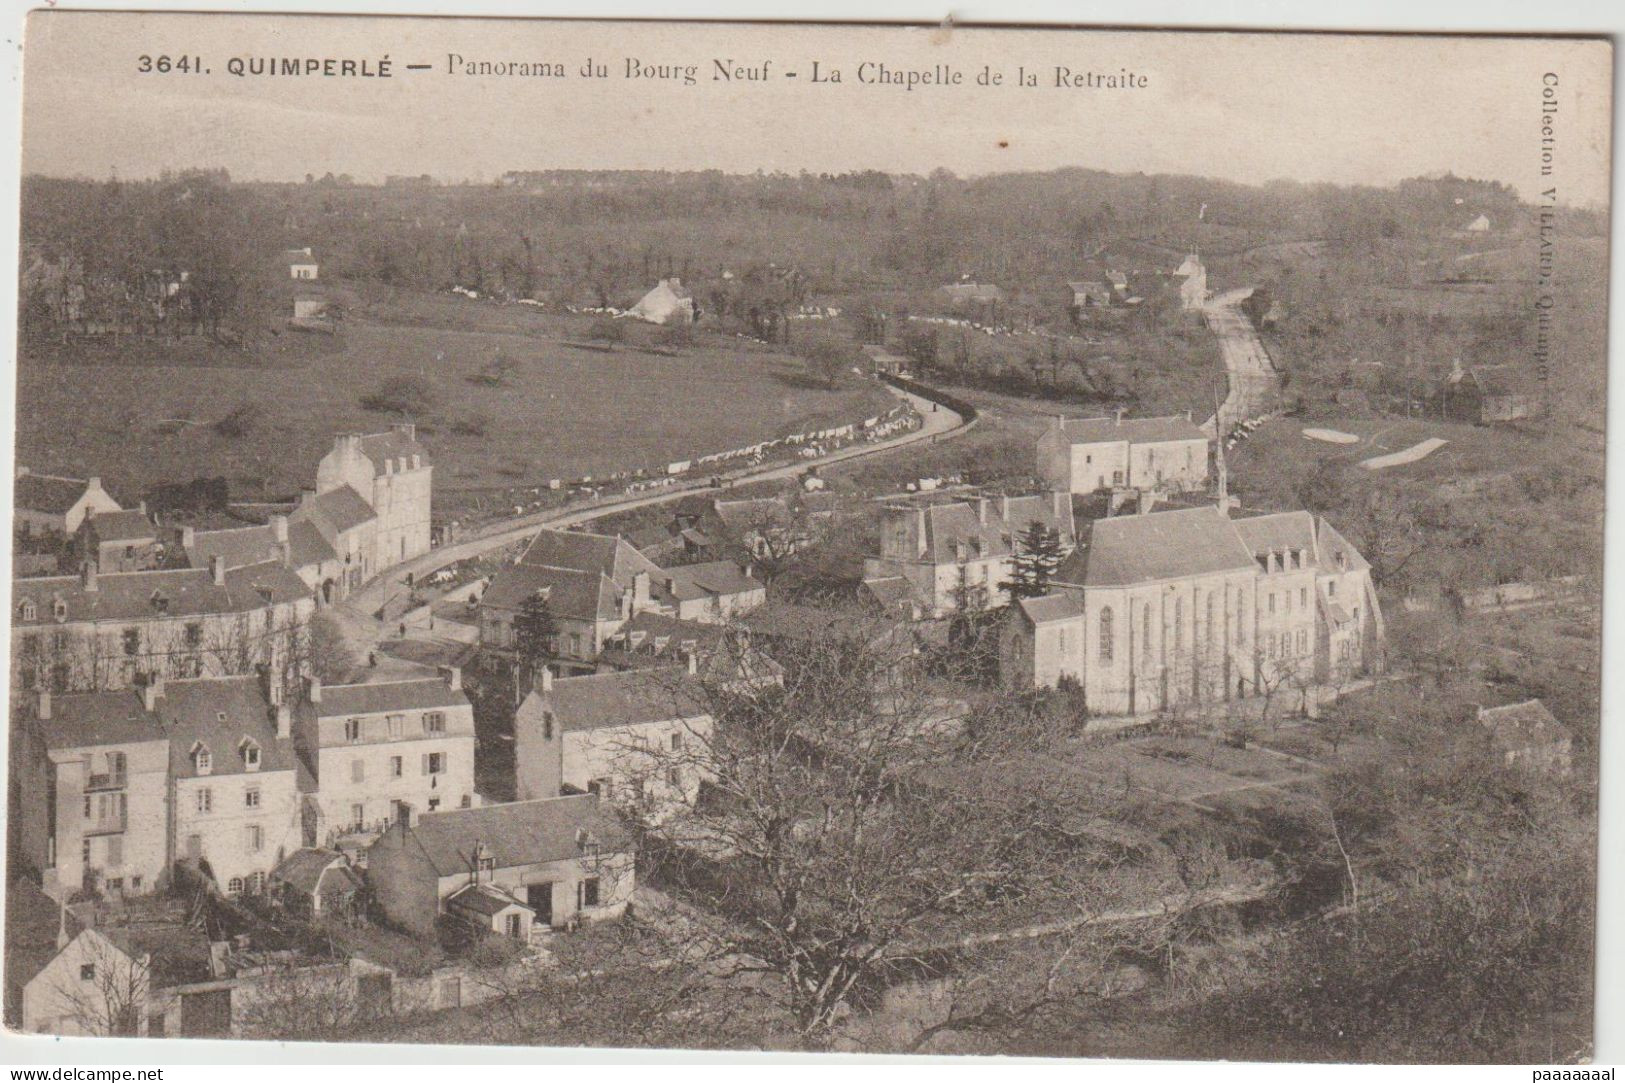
(1087, 455)
(111, 789)
(378, 749)
(1188, 607)
(391, 474)
(637, 738)
(48, 504)
(90, 632)
(504, 868)
(941, 549)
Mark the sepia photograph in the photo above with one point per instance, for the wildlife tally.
(934, 540)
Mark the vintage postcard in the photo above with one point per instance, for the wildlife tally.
(850, 538)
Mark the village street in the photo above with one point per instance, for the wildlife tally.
(363, 631)
(1253, 378)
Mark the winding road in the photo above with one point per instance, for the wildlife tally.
(1253, 379)
(363, 631)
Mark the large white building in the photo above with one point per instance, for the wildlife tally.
(111, 789)
(1087, 455)
(1168, 609)
(380, 748)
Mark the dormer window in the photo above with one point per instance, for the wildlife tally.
(202, 761)
(487, 864)
(28, 610)
(250, 750)
(59, 609)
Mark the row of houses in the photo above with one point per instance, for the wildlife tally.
(215, 601)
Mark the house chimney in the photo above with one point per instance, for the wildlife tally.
(693, 663)
(313, 689)
(453, 676)
(284, 722)
(87, 576)
(981, 510)
(1004, 507)
(546, 679)
(1119, 415)
(152, 692)
(188, 537)
(42, 705)
(640, 590)
(93, 482)
(279, 528)
(217, 569)
(270, 688)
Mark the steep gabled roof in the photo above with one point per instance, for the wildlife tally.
(517, 833)
(47, 493)
(394, 445)
(689, 582)
(580, 595)
(334, 512)
(221, 713)
(1156, 546)
(304, 869)
(579, 551)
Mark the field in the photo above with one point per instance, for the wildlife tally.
(563, 412)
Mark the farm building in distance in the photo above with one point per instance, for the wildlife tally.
(669, 302)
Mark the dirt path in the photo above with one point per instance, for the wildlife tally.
(363, 632)
(1253, 378)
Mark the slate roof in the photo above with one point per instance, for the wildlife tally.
(1135, 430)
(689, 582)
(31, 927)
(418, 694)
(1065, 605)
(1522, 725)
(622, 698)
(128, 596)
(47, 493)
(93, 719)
(335, 511)
(192, 710)
(245, 545)
(577, 595)
(116, 526)
(1277, 532)
(515, 834)
(891, 590)
(1160, 545)
(722, 653)
(237, 546)
(304, 869)
(385, 446)
(579, 551)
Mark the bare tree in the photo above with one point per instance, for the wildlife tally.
(108, 993)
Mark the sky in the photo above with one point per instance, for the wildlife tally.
(1243, 107)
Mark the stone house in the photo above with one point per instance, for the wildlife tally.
(393, 476)
(93, 631)
(380, 748)
(48, 504)
(118, 541)
(1087, 455)
(724, 655)
(639, 739)
(90, 791)
(549, 863)
(1190, 607)
(133, 781)
(595, 583)
(233, 777)
(943, 545)
(301, 544)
